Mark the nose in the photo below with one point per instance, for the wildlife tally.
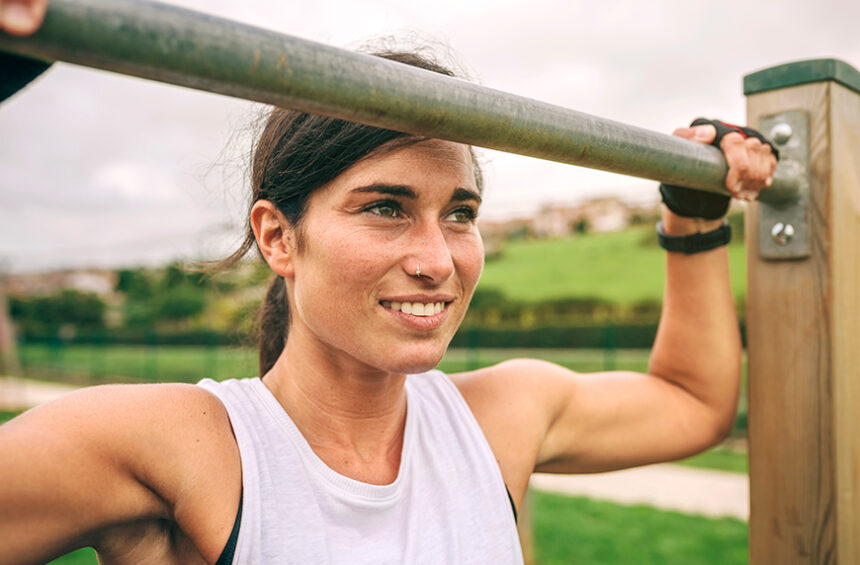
(430, 258)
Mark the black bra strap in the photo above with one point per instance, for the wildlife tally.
(511, 498)
(226, 557)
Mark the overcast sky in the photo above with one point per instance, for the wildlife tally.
(101, 169)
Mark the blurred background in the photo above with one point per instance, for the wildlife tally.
(110, 187)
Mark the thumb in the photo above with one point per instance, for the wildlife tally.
(702, 134)
(21, 17)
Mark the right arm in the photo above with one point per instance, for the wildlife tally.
(108, 456)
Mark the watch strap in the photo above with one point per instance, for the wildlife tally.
(694, 243)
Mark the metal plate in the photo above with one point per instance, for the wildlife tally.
(783, 224)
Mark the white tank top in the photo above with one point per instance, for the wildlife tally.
(448, 504)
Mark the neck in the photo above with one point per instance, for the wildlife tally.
(353, 416)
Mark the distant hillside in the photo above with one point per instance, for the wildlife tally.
(622, 267)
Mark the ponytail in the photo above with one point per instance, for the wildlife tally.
(272, 321)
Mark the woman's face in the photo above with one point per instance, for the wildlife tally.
(354, 291)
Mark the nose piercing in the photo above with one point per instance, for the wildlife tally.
(418, 270)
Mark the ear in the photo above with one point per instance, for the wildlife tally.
(275, 237)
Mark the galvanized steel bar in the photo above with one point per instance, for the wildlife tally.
(182, 47)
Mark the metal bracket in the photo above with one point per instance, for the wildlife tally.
(783, 219)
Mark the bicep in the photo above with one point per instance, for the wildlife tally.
(542, 417)
(613, 420)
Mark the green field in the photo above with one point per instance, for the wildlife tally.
(96, 364)
(613, 266)
(84, 556)
(99, 364)
(581, 531)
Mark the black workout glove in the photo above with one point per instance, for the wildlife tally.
(16, 72)
(691, 203)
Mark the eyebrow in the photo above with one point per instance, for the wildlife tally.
(463, 194)
(391, 189)
(460, 194)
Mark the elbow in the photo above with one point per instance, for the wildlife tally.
(723, 428)
(718, 425)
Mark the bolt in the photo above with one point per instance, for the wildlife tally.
(782, 233)
(781, 133)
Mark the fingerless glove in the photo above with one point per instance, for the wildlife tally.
(691, 203)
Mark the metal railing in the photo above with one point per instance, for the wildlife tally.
(187, 48)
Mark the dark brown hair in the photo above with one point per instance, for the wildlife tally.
(296, 154)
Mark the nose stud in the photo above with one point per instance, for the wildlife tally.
(418, 270)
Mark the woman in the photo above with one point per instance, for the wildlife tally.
(335, 455)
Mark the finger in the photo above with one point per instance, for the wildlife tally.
(738, 160)
(702, 134)
(761, 162)
(21, 17)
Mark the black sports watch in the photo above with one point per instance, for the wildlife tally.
(694, 243)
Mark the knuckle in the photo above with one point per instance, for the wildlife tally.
(742, 168)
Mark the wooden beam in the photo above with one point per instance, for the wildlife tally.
(803, 328)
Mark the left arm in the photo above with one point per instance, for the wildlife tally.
(538, 416)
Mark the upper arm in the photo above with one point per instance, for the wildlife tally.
(98, 458)
(539, 416)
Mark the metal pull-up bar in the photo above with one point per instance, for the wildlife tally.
(187, 48)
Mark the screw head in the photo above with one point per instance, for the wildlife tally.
(781, 133)
(782, 233)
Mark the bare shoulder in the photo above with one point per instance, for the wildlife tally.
(127, 453)
(531, 388)
(510, 375)
(159, 433)
(108, 416)
(515, 403)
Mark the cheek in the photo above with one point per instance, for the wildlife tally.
(471, 262)
(337, 266)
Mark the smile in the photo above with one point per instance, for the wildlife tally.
(422, 309)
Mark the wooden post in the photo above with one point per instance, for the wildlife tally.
(803, 322)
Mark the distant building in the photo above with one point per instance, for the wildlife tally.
(561, 220)
(98, 281)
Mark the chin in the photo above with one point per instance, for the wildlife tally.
(413, 367)
(411, 363)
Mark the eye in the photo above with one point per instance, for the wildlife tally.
(464, 215)
(385, 208)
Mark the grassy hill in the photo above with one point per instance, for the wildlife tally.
(623, 267)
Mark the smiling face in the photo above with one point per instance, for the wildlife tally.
(353, 286)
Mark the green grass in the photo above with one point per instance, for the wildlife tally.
(6, 415)
(93, 364)
(97, 364)
(586, 532)
(581, 531)
(84, 556)
(721, 459)
(613, 266)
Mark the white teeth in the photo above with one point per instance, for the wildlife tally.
(415, 308)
